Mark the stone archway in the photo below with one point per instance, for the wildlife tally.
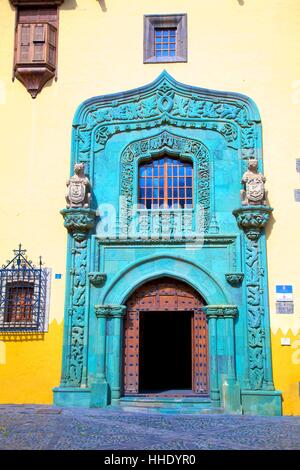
(174, 351)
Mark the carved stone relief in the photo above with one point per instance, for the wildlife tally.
(254, 185)
(79, 188)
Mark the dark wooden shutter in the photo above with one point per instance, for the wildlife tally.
(24, 35)
(39, 43)
(52, 34)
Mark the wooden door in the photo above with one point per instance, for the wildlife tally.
(165, 295)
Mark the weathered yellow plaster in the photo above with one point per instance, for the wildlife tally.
(286, 369)
(2, 353)
(32, 367)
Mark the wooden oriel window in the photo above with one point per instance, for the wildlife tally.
(166, 182)
(36, 43)
(36, 35)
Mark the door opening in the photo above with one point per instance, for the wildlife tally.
(165, 351)
(165, 340)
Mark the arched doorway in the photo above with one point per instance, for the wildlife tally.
(165, 340)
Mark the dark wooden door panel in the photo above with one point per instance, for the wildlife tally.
(159, 296)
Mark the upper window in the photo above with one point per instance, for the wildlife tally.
(166, 183)
(23, 294)
(165, 42)
(165, 38)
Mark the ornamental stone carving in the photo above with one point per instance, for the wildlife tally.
(97, 279)
(235, 279)
(220, 311)
(110, 310)
(253, 219)
(79, 221)
(79, 188)
(254, 185)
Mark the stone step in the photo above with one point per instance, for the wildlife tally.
(165, 410)
(167, 405)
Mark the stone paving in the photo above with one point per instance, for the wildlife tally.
(44, 427)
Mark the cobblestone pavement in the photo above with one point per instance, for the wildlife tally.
(44, 427)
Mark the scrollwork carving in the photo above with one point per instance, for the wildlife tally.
(166, 104)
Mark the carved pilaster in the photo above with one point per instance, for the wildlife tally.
(252, 220)
(213, 314)
(78, 223)
(114, 315)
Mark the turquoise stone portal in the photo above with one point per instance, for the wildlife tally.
(221, 254)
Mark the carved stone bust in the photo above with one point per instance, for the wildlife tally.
(254, 185)
(79, 188)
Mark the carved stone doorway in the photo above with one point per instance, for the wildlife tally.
(165, 340)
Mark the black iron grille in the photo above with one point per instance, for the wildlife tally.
(23, 290)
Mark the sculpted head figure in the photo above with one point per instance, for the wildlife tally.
(253, 164)
(79, 169)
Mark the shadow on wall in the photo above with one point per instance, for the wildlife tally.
(272, 220)
(241, 2)
(102, 5)
(69, 5)
(72, 4)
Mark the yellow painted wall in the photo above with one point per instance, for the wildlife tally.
(247, 46)
(30, 365)
(286, 365)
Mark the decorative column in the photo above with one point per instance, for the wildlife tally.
(229, 314)
(78, 221)
(230, 387)
(212, 315)
(252, 219)
(100, 395)
(113, 356)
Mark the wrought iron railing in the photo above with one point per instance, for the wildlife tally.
(23, 294)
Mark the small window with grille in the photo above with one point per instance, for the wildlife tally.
(166, 183)
(165, 38)
(23, 294)
(165, 42)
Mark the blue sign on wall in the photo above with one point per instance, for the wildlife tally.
(284, 293)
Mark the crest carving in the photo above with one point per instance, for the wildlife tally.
(79, 188)
(254, 185)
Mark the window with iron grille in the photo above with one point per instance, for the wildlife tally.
(23, 294)
(165, 38)
(166, 182)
